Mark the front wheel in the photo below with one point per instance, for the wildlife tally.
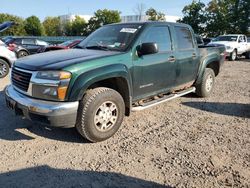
(233, 56)
(100, 114)
(205, 88)
(247, 55)
(4, 68)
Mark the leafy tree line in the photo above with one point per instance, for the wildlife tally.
(52, 26)
(218, 17)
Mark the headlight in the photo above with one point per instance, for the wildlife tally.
(228, 47)
(51, 85)
(53, 75)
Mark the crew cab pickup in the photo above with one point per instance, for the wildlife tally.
(117, 69)
(236, 45)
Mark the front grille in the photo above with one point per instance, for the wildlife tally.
(20, 79)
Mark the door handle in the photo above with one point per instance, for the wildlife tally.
(194, 55)
(171, 59)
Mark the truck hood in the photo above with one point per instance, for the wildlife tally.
(6, 25)
(57, 60)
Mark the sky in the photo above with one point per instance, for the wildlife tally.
(43, 8)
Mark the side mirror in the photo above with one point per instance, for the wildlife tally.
(147, 48)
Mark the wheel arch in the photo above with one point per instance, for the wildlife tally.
(5, 59)
(22, 49)
(114, 77)
(213, 63)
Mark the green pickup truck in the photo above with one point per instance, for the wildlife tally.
(117, 69)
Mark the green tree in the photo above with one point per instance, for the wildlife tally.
(78, 27)
(153, 15)
(239, 16)
(17, 30)
(194, 15)
(228, 16)
(52, 26)
(33, 26)
(102, 17)
(218, 21)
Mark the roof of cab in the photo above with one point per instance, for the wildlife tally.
(151, 23)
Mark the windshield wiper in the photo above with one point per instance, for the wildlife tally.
(98, 47)
(79, 47)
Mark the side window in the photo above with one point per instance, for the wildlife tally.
(184, 38)
(159, 35)
(18, 41)
(242, 39)
(42, 43)
(29, 41)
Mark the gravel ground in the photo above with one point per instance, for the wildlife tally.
(187, 142)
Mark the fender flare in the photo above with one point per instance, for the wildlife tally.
(211, 58)
(86, 79)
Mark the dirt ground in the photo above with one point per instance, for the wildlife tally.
(187, 142)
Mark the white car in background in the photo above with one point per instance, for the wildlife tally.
(7, 57)
(236, 45)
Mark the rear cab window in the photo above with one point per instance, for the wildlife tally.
(184, 39)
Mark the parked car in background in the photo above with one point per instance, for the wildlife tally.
(207, 40)
(236, 45)
(117, 69)
(199, 40)
(65, 45)
(19, 50)
(30, 44)
(7, 57)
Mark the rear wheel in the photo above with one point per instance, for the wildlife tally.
(100, 114)
(233, 56)
(22, 53)
(205, 88)
(4, 68)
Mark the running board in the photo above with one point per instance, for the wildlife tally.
(164, 99)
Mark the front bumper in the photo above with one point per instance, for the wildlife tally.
(228, 52)
(56, 114)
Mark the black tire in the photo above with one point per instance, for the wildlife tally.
(205, 88)
(4, 68)
(233, 55)
(22, 53)
(247, 55)
(90, 112)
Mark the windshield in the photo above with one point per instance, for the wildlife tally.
(111, 37)
(227, 38)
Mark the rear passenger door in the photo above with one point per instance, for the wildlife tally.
(186, 54)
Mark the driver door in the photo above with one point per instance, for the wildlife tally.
(154, 73)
